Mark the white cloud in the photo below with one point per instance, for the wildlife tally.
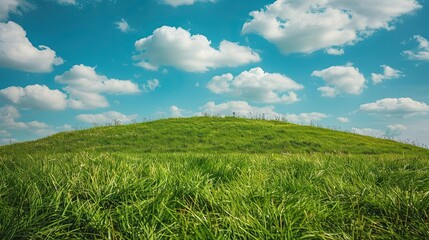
(8, 116)
(369, 132)
(237, 108)
(243, 109)
(257, 85)
(335, 51)
(421, 53)
(123, 26)
(396, 106)
(306, 118)
(85, 87)
(8, 120)
(176, 111)
(106, 117)
(66, 2)
(35, 96)
(328, 91)
(394, 130)
(343, 119)
(388, 73)
(176, 3)
(176, 47)
(12, 6)
(309, 25)
(17, 52)
(341, 79)
(150, 85)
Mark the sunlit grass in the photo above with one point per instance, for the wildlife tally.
(213, 178)
(208, 196)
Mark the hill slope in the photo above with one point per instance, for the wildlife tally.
(208, 134)
(213, 178)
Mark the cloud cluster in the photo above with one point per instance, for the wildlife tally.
(106, 117)
(35, 96)
(257, 85)
(421, 53)
(394, 130)
(9, 116)
(388, 73)
(306, 118)
(244, 109)
(12, 6)
(396, 106)
(238, 108)
(391, 131)
(86, 88)
(176, 47)
(176, 3)
(368, 132)
(307, 26)
(341, 79)
(17, 52)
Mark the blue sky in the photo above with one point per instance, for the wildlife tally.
(359, 65)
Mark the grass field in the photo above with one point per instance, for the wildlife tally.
(213, 178)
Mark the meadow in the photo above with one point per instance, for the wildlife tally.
(213, 178)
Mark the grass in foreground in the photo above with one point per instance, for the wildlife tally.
(212, 196)
(213, 178)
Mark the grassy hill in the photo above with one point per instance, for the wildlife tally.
(212, 135)
(213, 178)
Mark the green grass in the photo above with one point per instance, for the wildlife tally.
(199, 178)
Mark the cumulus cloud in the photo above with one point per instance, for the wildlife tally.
(388, 73)
(257, 85)
(176, 47)
(421, 53)
(343, 119)
(368, 132)
(341, 79)
(176, 111)
(306, 118)
(123, 26)
(238, 108)
(176, 3)
(394, 130)
(307, 26)
(391, 131)
(244, 109)
(12, 6)
(9, 116)
(85, 87)
(151, 85)
(396, 106)
(106, 117)
(17, 52)
(36, 97)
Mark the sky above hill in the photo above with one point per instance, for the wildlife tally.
(358, 65)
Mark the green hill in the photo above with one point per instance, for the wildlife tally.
(212, 135)
(213, 178)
